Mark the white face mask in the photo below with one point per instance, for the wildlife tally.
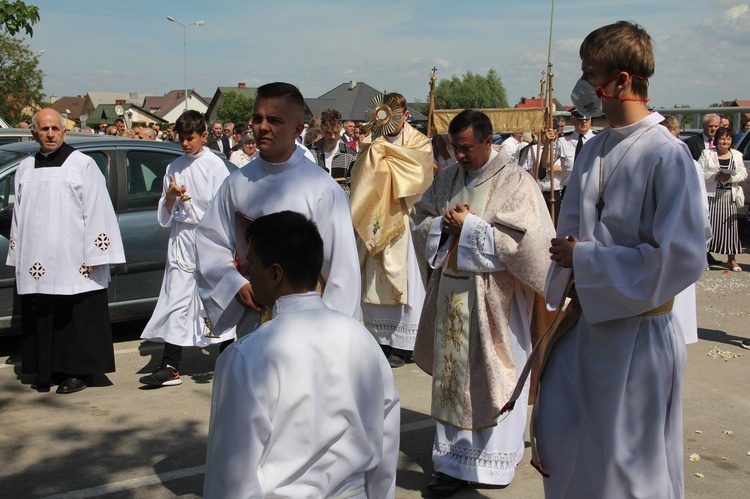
(585, 99)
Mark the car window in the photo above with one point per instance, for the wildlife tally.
(145, 174)
(746, 152)
(101, 160)
(7, 190)
(9, 140)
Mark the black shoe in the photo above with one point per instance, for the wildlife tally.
(396, 360)
(164, 376)
(711, 260)
(445, 485)
(745, 344)
(71, 385)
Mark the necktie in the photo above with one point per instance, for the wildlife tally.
(579, 145)
(711, 143)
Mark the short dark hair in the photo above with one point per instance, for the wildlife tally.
(479, 122)
(290, 240)
(282, 90)
(239, 128)
(722, 132)
(189, 122)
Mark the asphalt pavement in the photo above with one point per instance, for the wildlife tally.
(118, 440)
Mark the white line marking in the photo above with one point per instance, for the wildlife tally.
(133, 483)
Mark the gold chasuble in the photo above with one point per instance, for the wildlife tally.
(386, 181)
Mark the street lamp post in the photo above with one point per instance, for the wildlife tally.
(184, 46)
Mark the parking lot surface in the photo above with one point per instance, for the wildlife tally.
(118, 440)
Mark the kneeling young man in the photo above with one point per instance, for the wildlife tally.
(304, 390)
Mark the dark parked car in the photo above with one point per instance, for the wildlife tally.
(13, 135)
(134, 170)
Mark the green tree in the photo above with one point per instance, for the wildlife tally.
(471, 91)
(687, 119)
(17, 16)
(20, 80)
(421, 107)
(235, 107)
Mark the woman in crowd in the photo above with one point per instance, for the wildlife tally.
(724, 172)
(245, 153)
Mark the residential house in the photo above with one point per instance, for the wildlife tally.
(106, 113)
(352, 100)
(94, 99)
(171, 105)
(70, 107)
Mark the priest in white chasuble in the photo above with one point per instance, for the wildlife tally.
(389, 176)
(64, 237)
(483, 229)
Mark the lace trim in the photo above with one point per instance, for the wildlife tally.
(493, 463)
(477, 239)
(397, 328)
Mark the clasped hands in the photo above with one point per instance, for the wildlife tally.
(453, 219)
(723, 176)
(175, 190)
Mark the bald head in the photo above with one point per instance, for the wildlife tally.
(48, 128)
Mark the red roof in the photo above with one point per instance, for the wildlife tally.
(735, 103)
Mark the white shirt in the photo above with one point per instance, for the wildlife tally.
(304, 407)
(510, 145)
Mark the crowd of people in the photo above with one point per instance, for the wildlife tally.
(336, 253)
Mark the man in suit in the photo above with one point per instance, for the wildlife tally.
(217, 140)
(705, 140)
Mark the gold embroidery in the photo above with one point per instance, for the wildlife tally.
(452, 322)
(377, 222)
(449, 382)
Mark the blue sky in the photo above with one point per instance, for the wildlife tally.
(702, 47)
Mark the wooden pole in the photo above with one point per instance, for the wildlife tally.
(432, 101)
(550, 113)
(538, 156)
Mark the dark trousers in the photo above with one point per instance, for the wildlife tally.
(173, 353)
(68, 335)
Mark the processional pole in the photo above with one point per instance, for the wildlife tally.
(538, 156)
(550, 113)
(432, 101)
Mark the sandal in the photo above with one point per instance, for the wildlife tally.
(735, 267)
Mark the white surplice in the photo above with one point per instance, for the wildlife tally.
(306, 406)
(80, 218)
(396, 325)
(179, 316)
(609, 414)
(261, 188)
